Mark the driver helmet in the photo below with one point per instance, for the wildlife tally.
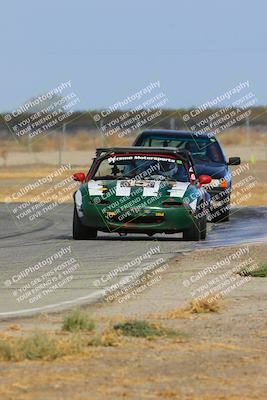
(170, 169)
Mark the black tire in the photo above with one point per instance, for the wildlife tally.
(202, 218)
(223, 216)
(203, 228)
(193, 233)
(79, 231)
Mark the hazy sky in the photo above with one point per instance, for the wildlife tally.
(113, 48)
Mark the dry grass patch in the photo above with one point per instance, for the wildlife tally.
(205, 305)
(41, 346)
(175, 314)
(108, 338)
(77, 321)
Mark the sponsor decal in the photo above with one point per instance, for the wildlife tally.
(152, 191)
(114, 159)
(122, 190)
(95, 188)
(150, 188)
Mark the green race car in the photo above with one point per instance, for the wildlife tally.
(141, 190)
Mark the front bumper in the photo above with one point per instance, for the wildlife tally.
(149, 220)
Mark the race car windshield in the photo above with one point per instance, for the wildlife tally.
(201, 148)
(142, 167)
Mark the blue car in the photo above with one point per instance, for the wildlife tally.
(209, 159)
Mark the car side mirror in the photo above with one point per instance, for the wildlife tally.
(79, 176)
(234, 161)
(204, 179)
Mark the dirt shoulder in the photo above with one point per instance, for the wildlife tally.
(218, 355)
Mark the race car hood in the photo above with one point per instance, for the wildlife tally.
(119, 189)
(215, 170)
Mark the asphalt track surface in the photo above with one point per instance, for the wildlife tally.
(80, 275)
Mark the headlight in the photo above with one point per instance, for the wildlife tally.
(78, 198)
(78, 203)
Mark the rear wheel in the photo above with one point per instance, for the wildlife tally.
(80, 231)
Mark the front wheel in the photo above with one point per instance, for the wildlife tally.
(80, 231)
(223, 215)
(203, 228)
(193, 233)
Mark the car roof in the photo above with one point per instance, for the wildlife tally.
(137, 149)
(172, 132)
